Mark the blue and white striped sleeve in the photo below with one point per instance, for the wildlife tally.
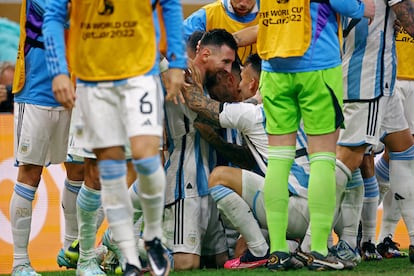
(173, 20)
(54, 22)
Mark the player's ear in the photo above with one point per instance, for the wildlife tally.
(253, 84)
(205, 52)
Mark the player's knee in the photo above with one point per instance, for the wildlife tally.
(30, 175)
(215, 177)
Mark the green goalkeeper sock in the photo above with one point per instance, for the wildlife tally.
(276, 195)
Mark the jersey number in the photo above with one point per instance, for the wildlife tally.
(145, 106)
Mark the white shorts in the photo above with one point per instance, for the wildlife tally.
(41, 134)
(76, 153)
(252, 190)
(368, 122)
(192, 225)
(405, 90)
(111, 114)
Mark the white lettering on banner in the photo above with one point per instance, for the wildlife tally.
(8, 173)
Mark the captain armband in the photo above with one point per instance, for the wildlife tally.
(163, 65)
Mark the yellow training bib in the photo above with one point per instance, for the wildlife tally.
(110, 40)
(19, 77)
(405, 54)
(216, 17)
(285, 28)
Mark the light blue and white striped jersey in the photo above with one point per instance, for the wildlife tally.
(250, 120)
(369, 60)
(191, 158)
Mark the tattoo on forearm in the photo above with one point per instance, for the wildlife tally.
(206, 108)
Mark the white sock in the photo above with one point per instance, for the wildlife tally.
(369, 209)
(136, 204)
(21, 218)
(382, 172)
(118, 207)
(391, 215)
(351, 214)
(88, 203)
(238, 213)
(401, 177)
(151, 193)
(343, 175)
(100, 217)
(69, 193)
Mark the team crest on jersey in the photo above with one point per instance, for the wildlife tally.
(108, 8)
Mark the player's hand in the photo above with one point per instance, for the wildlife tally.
(64, 91)
(369, 10)
(174, 81)
(397, 26)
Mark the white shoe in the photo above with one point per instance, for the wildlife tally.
(89, 268)
(24, 270)
(345, 252)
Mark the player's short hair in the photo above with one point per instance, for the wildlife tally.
(193, 40)
(256, 63)
(218, 37)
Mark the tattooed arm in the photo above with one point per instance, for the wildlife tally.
(206, 108)
(405, 14)
(246, 36)
(240, 156)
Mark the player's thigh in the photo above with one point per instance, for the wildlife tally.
(59, 139)
(101, 117)
(214, 240)
(362, 123)
(253, 195)
(393, 118)
(405, 90)
(143, 102)
(320, 100)
(40, 134)
(182, 228)
(279, 102)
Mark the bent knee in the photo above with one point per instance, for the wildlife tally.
(215, 177)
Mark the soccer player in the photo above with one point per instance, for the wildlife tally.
(41, 129)
(231, 15)
(114, 55)
(369, 80)
(191, 225)
(237, 192)
(404, 88)
(301, 78)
